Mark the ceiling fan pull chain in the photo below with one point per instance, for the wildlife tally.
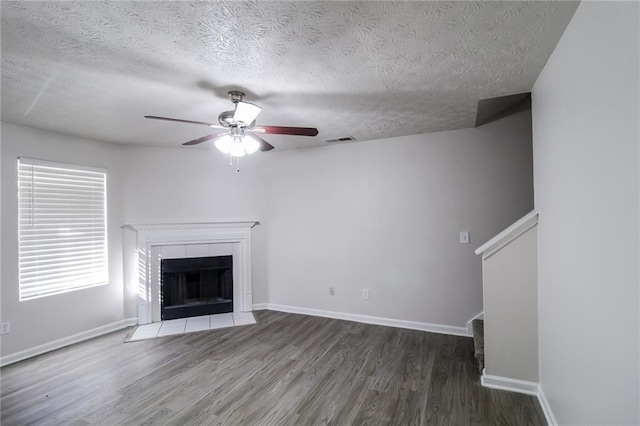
(238, 164)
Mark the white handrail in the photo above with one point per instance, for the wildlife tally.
(511, 233)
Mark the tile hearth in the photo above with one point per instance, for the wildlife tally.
(191, 324)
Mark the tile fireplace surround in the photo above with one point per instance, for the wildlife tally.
(147, 244)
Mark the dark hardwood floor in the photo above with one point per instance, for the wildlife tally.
(287, 369)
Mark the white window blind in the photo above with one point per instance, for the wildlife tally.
(62, 224)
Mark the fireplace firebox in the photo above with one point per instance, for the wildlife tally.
(196, 286)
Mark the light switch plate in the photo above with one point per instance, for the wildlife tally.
(464, 237)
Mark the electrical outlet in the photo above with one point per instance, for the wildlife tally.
(365, 293)
(332, 291)
(464, 237)
(5, 327)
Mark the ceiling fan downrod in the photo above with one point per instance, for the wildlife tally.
(236, 96)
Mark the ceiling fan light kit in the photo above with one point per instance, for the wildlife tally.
(237, 146)
(235, 141)
(249, 144)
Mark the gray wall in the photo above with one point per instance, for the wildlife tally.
(384, 215)
(196, 185)
(44, 320)
(586, 133)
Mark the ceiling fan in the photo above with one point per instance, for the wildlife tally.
(238, 134)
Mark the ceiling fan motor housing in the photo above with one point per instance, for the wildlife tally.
(226, 118)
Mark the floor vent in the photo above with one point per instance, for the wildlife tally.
(343, 139)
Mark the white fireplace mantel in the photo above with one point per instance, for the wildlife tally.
(152, 238)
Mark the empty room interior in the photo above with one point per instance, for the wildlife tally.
(359, 212)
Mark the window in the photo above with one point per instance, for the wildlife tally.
(62, 221)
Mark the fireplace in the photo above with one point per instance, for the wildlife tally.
(147, 245)
(196, 286)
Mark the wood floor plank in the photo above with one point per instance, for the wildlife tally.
(286, 370)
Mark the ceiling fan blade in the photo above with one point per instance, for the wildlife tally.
(284, 130)
(264, 145)
(203, 139)
(202, 123)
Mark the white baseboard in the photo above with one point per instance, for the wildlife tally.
(66, 341)
(508, 384)
(546, 408)
(520, 386)
(469, 323)
(390, 322)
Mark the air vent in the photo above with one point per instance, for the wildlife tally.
(343, 139)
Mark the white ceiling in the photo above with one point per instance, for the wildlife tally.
(365, 69)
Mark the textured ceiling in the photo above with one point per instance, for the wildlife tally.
(364, 69)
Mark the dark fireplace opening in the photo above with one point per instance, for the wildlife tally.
(196, 286)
